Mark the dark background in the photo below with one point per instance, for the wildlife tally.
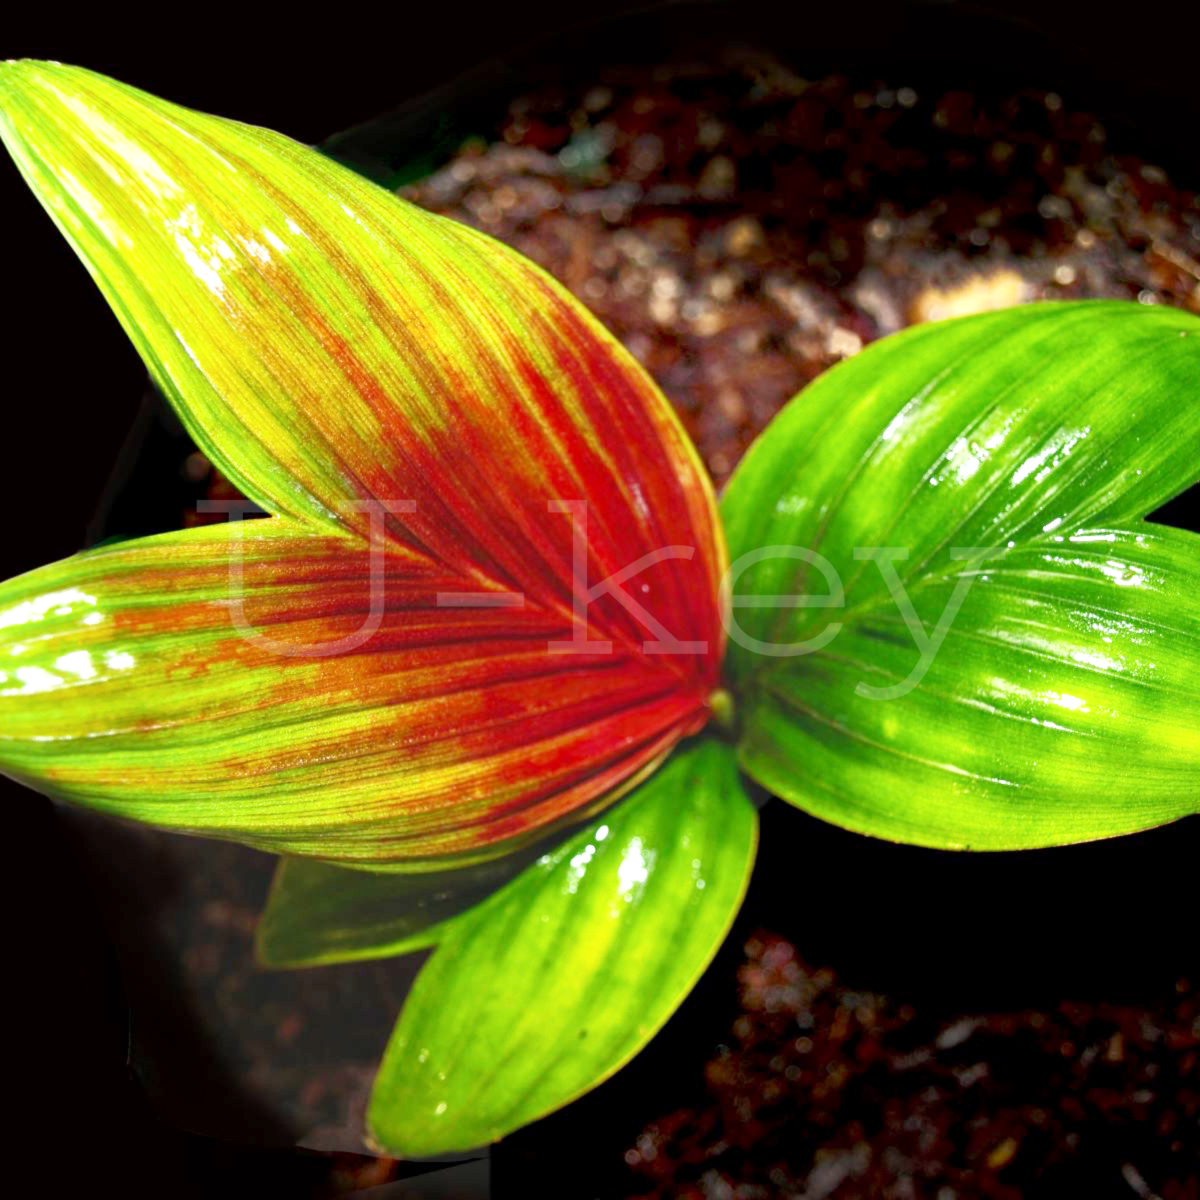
(73, 386)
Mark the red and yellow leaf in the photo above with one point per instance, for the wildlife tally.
(129, 683)
(355, 365)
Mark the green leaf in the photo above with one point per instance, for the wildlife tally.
(556, 981)
(1062, 705)
(1049, 693)
(319, 913)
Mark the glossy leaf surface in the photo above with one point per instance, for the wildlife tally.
(318, 913)
(1062, 704)
(558, 979)
(361, 368)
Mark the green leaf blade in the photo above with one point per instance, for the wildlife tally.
(318, 913)
(555, 982)
(974, 432)
(1062, 704)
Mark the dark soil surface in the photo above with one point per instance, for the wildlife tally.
(884, 1021)
(741, 228)
(827, 1091)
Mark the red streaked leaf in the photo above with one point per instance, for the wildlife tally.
(349, 359)
(125, 685)
(332, 346)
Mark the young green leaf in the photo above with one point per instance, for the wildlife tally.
(318, 913)
(1040, 688)
(379, 379)
(557, 980)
